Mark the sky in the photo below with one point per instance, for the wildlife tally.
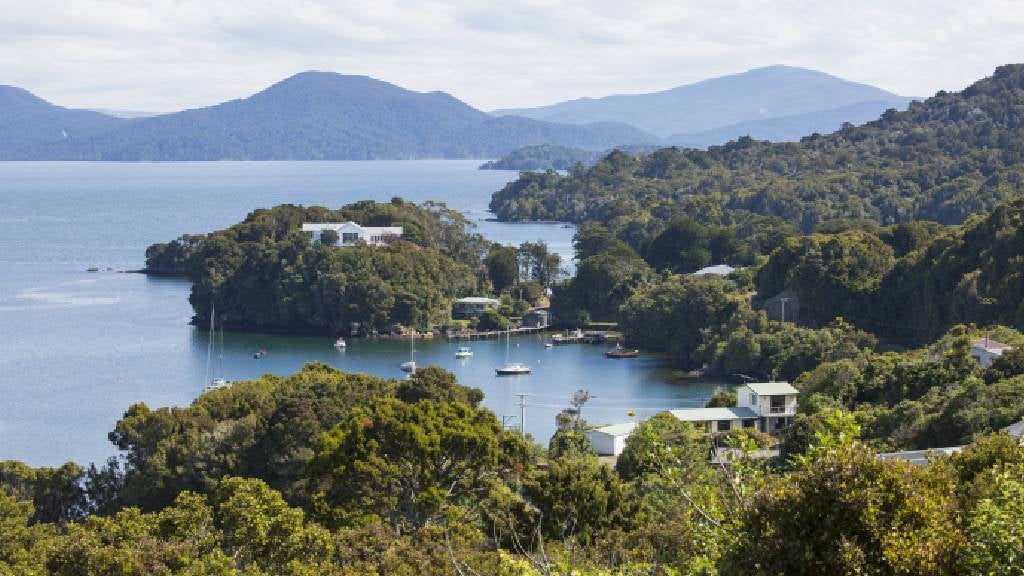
(170, 55)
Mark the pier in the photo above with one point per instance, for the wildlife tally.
(475, 335)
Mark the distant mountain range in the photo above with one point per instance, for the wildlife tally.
(309, 116)
(327, 116)
(769, 93)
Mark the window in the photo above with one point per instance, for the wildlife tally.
(753, 399)
(750, 423)
(778, 405)
(349, 237)
(724, 425)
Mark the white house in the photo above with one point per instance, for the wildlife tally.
(765, 406)
(350, 233)
(985, 350)
(610, 440)
(718, 419)
(773, 402)
(473, 306)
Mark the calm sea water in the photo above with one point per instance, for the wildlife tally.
(77, 348)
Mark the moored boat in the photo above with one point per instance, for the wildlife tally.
(512, 369)
(218, 384)
(340, 344)
(410, 366)
(464, 352)
(620, 352)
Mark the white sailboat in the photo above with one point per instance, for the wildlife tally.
(218, 381)
(410, 366)
(511, 368)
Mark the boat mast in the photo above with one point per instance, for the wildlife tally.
(209, 346)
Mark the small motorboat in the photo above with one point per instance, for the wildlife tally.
(218, 384)
(409, 366)
(549, 344)
(259, 354)
(92, 269)
(620, 352)
(464, 352)
(513, 369)
(340, 344)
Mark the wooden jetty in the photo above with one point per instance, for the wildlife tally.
(476, 335)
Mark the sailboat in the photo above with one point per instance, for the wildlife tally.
(511, 368)
(410, 366)
(216, 382)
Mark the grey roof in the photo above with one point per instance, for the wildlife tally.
(708, 414)
(772, 388)
(623, 429)
(1016, 430)
(990, 344)
(920, 457)
(717, 270)
(479, 300)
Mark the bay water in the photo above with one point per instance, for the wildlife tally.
(77, 348)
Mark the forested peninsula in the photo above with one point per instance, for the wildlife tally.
(266, 274)
(950, 156)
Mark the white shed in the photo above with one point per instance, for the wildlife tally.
(610, 440)
(985, 350)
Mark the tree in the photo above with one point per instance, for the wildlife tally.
(682, 247)
(403, 463)
(722, 399)
(502, 267)
(642, 455)
(261, 530)
(578, 497)
(439, 385)
(844, 511)
(492, 320)
(995, 527)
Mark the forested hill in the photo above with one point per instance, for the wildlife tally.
(27, 121)
(309, 116)
(943, 159)
(266, 274)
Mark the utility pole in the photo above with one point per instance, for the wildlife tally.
(784, 300)
(522, 414)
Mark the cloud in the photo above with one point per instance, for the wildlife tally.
(170, 55)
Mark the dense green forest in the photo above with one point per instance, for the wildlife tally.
(328, 473)
(552, 157)
(944, 159)
(266, 274)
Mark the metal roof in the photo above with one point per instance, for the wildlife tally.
(772, 388)
(989, 344)
(623, 429)
(708, 414)
(717, 270)
(479, 300)
(920, 457)
(1016, 429)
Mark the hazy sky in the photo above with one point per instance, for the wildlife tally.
(161, 56)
